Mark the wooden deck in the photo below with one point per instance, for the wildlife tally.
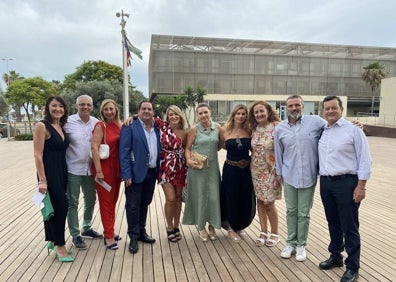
(23, 256)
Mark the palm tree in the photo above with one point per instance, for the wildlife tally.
(192, 98)
(372, 75)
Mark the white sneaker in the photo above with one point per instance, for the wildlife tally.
(301, 254)
(287, 251)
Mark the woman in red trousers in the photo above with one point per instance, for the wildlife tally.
(106, 171)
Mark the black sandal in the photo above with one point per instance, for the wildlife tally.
(171, 236)
(177, 233)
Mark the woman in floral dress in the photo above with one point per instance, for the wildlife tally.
(263, 120)
(173, 168)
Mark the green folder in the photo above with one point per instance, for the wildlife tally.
(47, 211)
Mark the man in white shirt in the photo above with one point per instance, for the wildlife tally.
(79, 128)
(344, 168)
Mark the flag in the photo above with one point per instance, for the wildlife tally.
(128, 54)
(133, 49)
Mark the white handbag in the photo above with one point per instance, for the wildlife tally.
(104, 149)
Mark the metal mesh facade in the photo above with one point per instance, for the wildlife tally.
(229, 66)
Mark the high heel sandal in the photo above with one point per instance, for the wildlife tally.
(203, 235)
(242, 234)
(69, 258)
(113, 246)
(177, 233)
(212, 233)
(51, 247)
(272, 240)
(234, 236)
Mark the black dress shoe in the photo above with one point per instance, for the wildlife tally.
(133, 246)
(145, 238)
(330, 263)
(350, 276)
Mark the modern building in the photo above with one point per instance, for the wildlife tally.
(240, 71)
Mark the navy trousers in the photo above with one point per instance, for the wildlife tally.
(138, 197)
(342, 215)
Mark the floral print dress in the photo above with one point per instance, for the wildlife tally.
(173, 166)
(266, 186)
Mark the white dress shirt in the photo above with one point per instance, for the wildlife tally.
(344, 149)
(80, 136)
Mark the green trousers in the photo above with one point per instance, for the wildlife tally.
(74, 183)
(298, 206)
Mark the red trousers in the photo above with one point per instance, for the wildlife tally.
(108, 200)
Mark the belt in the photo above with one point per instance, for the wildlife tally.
(152, 168)
(337, 177)
(241, 163)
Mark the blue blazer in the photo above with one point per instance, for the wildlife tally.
(134, 152)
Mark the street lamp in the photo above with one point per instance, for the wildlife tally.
(8, 75)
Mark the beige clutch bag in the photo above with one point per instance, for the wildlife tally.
(202, 160)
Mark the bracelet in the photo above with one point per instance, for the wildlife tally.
(42, 182)
(98, 171)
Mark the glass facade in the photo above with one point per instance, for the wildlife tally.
(244, 67)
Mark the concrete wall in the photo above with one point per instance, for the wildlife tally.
(387, 112)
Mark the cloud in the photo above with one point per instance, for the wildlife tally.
(50, 38)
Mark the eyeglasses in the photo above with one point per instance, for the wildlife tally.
(85, 105)
(239, 143)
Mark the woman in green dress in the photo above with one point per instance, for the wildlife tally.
(203, 184)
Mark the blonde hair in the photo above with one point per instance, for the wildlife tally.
(177, 110)
(230, 123)
(117, 115)
(272, 114)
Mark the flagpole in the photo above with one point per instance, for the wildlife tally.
(124, 65)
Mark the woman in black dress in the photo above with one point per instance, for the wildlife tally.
(50, 144)
(238, 206)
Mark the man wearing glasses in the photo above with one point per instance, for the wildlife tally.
(79, 128)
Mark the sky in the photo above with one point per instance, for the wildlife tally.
(51, 38)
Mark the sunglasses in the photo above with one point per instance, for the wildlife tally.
(239, 143)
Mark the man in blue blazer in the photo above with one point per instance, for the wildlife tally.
(139, 159)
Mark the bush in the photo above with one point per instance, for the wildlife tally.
(23, 137)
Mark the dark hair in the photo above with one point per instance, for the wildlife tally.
(48, 116)
(144, 101)
(272, 114)
(329, 98)
(295, 96)
(201, 105)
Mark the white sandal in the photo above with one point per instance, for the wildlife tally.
(272, 242)
(261, 241)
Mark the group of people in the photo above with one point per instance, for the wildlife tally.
(263, 154)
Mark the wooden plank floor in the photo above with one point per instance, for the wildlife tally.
(23, 256)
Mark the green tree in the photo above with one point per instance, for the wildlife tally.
(93, 71)
(8, 79)
(12, 76)
(3, 105)
(100, 80)
(193, 96)
(373, 75)
(28, 93)
(161, 104)
(100, 90)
